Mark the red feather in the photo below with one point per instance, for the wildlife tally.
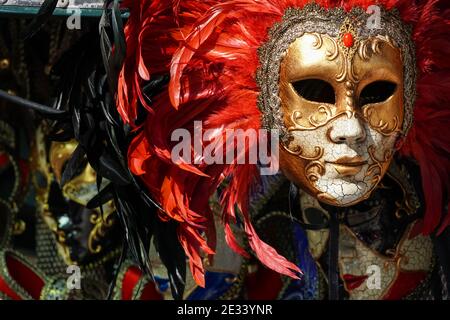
(209, 47)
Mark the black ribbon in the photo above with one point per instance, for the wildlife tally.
(45, 110)
(333, 253)
(333, 243)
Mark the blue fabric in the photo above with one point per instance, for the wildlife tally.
(307, 287)
(216, 285)
(162, 283)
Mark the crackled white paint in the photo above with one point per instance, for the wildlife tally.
(344, 189)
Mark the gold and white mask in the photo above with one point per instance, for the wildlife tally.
(341, 95)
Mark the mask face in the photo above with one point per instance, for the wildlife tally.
(81, 233)
(342, 106)
(375, 276)
(82, 187)
(85, 230)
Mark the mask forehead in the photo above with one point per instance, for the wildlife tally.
(378, 59)
(314, 55)
(306, 57)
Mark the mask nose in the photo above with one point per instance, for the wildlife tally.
(347, 130)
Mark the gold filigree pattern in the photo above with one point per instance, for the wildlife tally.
(372, 46)
(319, 41)
(101, 223)
(298, 151)
(347, 67)
(333, 53)
(48, 166)
(7, 135)
(316, 120)
(377, 168)
(314, 170)
(382, 126)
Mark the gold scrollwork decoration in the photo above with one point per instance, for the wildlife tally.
(347, 71)
(372, 46)
(376, 169)
(313, 120)
(314, 170)
(322, 110)
(101, 225)
(384, 128)
(317, 44)
(334, 53)
(298, 152)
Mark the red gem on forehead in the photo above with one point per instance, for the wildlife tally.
(347, 39)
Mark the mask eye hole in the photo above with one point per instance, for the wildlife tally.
(315, 90)
(376, 92)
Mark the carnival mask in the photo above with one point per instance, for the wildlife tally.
(360, 265)
(81, 233)
(343, 132)
(341, 105)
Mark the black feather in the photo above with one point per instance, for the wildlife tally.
(138, 248)
(44, 110)
(172, 255)
(41, 18)
(61, 131)
(102, 197)
(73, 167)
(117, 266)
(112, 170)
(88, 75)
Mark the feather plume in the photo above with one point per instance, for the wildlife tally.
(209, 49)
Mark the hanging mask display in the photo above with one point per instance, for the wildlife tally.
(82, 234)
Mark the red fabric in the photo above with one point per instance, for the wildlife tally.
(24, 173)
(263, 284)
(4, 159)
(130, 280)
(404, 284)
(209, 47)
(151, 293)
(4, 288)
(25, 277)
